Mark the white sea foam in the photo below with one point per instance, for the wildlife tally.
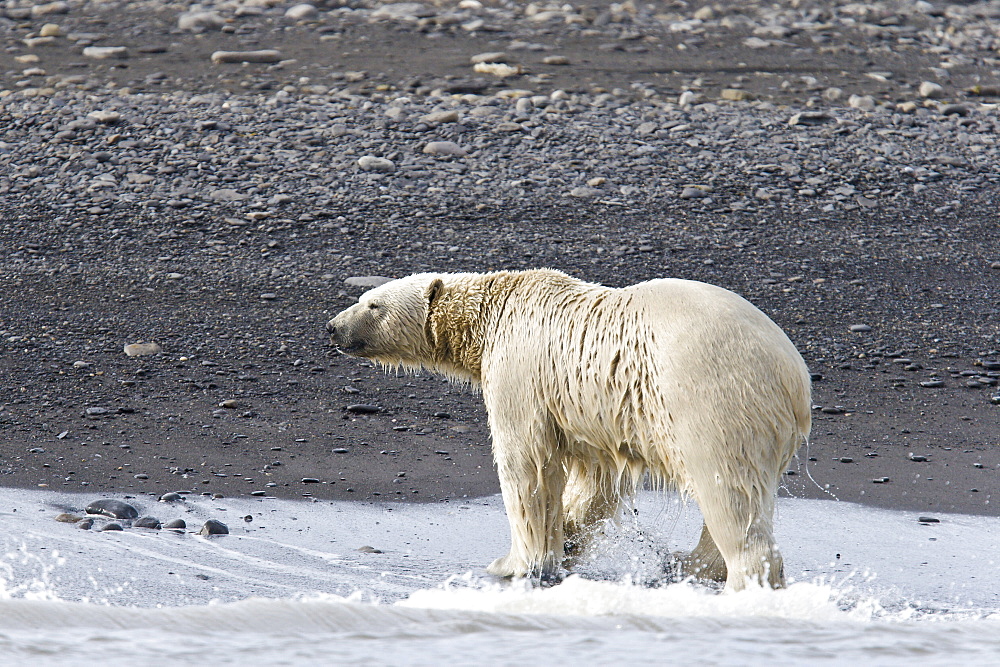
(289, 586)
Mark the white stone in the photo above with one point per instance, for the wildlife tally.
(931, 90)
(862, 102)
(35, 42)
(402, 11)
(756, 43)
(106, 52)
(106, 117)
(372, 163)
(200, 21)
(227, 194)
(142, 349)
(301, 11)
(556, 60)
(367, 282)
(49, 8)
(501, 70)
(449, 148)
(436, 117)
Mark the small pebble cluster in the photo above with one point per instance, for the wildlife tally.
(112, 514)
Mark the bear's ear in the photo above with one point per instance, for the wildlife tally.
(434, 290)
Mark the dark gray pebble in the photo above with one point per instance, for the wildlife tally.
(116, 509)
(369, 550)
(928, 519)
(881, 480)
(363, 409)
(442, 415)
(171, 497)
(832, 411)
(258, 493)
(310, 480)
(111, 526)
(86, 524)
(214, 527)
(932, 384)
(147, 522)
(175, 524)
(918, 458)
(341, 450)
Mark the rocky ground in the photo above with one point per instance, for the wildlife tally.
(835, 163)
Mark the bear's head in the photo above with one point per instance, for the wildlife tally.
(389, 324)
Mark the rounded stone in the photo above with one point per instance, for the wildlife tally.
(106, 52)
(113, 508)
(200, 21)
(171, 497)
(214, 527)
(861, 102)
(367, 282)
(147, 522)
(175, 524)
(142, 349)
(301, 11)
(373, 163)
(447, 148)
(930, 90)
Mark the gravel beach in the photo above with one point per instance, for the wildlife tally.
(220, 179)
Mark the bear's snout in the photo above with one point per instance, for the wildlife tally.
(343, 334)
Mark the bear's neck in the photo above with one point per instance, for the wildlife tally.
(462, 317)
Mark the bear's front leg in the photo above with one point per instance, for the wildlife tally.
(532, 478)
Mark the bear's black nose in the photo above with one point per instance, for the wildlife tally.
(331, 327)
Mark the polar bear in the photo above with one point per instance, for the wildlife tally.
(590, 390)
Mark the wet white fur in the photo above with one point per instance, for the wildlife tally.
(589, 389)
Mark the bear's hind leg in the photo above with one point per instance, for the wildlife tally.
(704, 562)
(741, 527)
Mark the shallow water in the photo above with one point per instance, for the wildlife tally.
(289, 586)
